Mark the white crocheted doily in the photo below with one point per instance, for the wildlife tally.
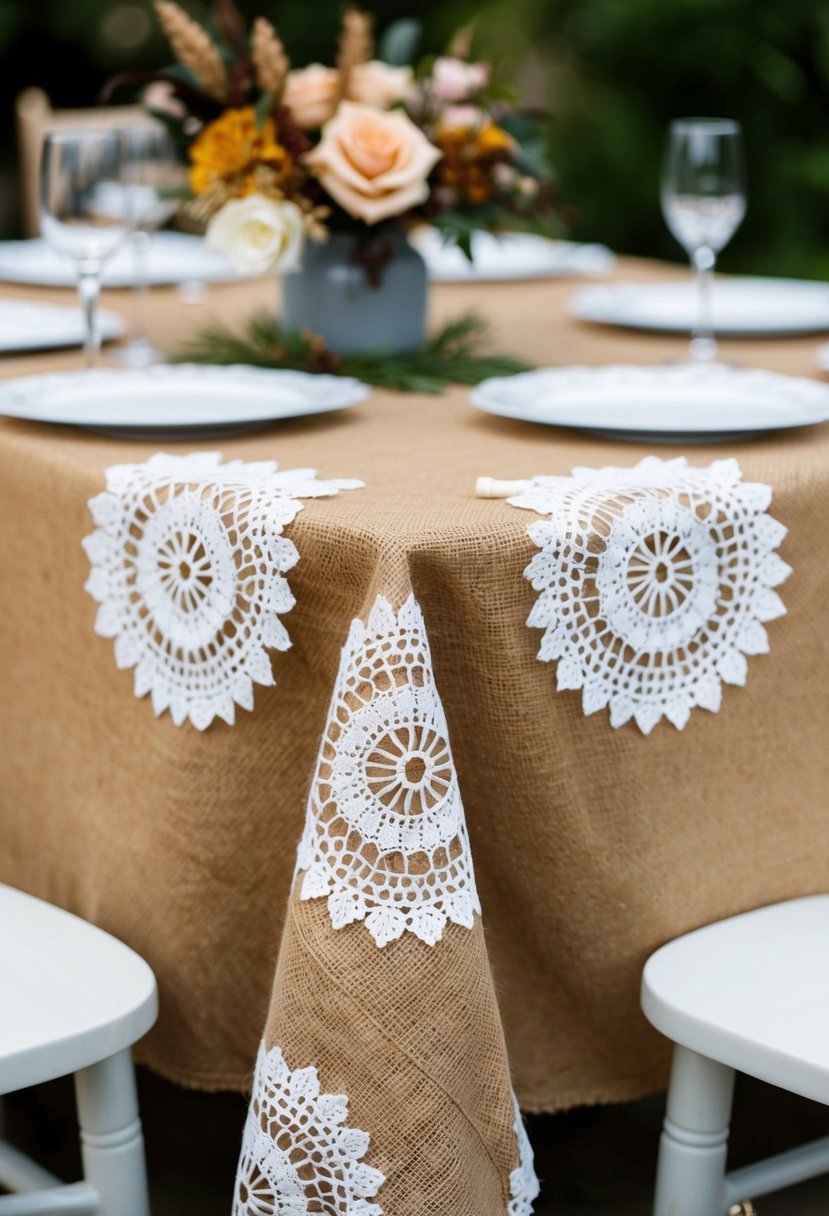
(523, 1183)
(385, 836)
(298, 1154)
(654, 583)
(188, 563)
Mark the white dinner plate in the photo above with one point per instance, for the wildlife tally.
(181, 400)
(515, 255)
(675, 403)
(27, 325)
(174, 257)
(745, 307)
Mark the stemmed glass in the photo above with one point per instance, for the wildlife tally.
(703, 202)
(77, 169)
(158, 176)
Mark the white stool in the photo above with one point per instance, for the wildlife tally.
(749, 994)
(73, 1000)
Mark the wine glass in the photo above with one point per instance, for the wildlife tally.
(77, 169)
(157, 176)
(703, 202)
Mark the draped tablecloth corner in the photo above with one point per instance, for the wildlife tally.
(383, 992)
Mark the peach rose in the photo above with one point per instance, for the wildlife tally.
(374, 164)
(379, 84)
(311, 95)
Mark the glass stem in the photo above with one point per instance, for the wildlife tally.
(703, 344)
(140, 257)
(89, 288)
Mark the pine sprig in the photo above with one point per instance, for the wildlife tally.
(455, 355)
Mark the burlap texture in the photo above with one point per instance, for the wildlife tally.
(591, 846)
(411, 1034)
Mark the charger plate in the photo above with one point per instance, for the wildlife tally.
(686, 403)
(182, 400)
(742, 307)
(174, 257)
(512, 256)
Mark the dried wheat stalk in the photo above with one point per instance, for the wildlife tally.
(270, 63)
(193, 48)
(461, 45)
(194, 214)
(356, 45)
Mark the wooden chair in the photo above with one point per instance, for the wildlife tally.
(748, 994)
(73, 1000)
(34, 117)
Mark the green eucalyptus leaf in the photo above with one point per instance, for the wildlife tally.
(263, 110)
(399, 43)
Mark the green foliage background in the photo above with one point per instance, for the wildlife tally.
(614, 71)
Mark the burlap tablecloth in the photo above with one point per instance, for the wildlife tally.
(591, 846)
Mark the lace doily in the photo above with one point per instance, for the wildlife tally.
(523, 1184)
(654, 583)
(385, 836)
(188, 560)
(298, 1155)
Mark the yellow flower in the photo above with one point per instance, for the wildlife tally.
(230, 149)
(472, 145)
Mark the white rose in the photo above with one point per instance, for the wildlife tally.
(258, 234)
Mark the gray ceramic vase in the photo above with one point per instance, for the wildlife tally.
(359, 294)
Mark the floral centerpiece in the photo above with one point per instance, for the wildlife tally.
(322, 168)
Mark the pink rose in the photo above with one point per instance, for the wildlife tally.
(311, 95)
(159, 96)
(465, 118)
(455, 80)
(373, 163)
(379, 84)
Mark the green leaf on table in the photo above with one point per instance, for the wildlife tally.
(457, 354)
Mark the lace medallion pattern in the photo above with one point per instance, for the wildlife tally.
(298, 1154)
(385, 835)
(523, 1183)
(188, 563)
(654, 584)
